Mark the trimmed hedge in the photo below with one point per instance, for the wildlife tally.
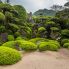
(28, 46)
(25, 45)
(9, 56)
(50, 45)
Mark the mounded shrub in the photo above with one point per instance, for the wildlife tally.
(40, 29)
(54, 29)
(50, 45)
(19, 38)
(28, 46)
(65, 33)
(21, 44)
(38, 40)
(63, 41)
(9, 56)
(10, 38)
(44, 46)
(66, 45)
(10, 44)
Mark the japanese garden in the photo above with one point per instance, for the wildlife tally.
(42, 34)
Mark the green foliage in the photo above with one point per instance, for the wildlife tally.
(2, 29)
(9, 56)
(38, 40)
(65, 33)
(50, 45)
(40, 29)
(28, 46)
(66, 45)
(55, 29)
(21, 11)
(63, 41)
(10, 38)
(10, 44)
(14, 27)
(19, 38)
(2, 16)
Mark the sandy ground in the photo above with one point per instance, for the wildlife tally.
(43, 60)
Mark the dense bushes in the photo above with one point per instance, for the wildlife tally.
(10, 38)
(9, 56)
(50, 45)
(65, 33)
(38, 40)
(28, 46)
(25, 45)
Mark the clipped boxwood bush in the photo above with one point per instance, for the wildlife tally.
(10, 44)
(65, 33)
(10, 38)
(63, 41)
(9, 56)
(66, 45)
(50, 45)
(28, 46)
(38, 40)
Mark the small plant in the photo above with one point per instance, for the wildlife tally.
(10, 38)
(9, 56)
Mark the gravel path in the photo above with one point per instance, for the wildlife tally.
(43, 60)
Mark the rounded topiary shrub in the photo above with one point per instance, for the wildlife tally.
(28, 46)
(44, 46)
(10, 44)
(50, 45)
(63, 41)
(66, 45)
(10, 38)
(9, 56)
(38, 40)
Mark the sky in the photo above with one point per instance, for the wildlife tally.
(34, 5)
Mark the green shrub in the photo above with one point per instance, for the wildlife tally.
(25, 45)
(2, 29)
(55, 29)
(38, 40)
(19, 38)
(44, 46)
(63, 41)
(9, 56)
(2, 17)
(50, 45)
(10, 44)
(28, 46)
(40, 29)
(65, 33)
(10, 38)
(17, 34)
(66, 45)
